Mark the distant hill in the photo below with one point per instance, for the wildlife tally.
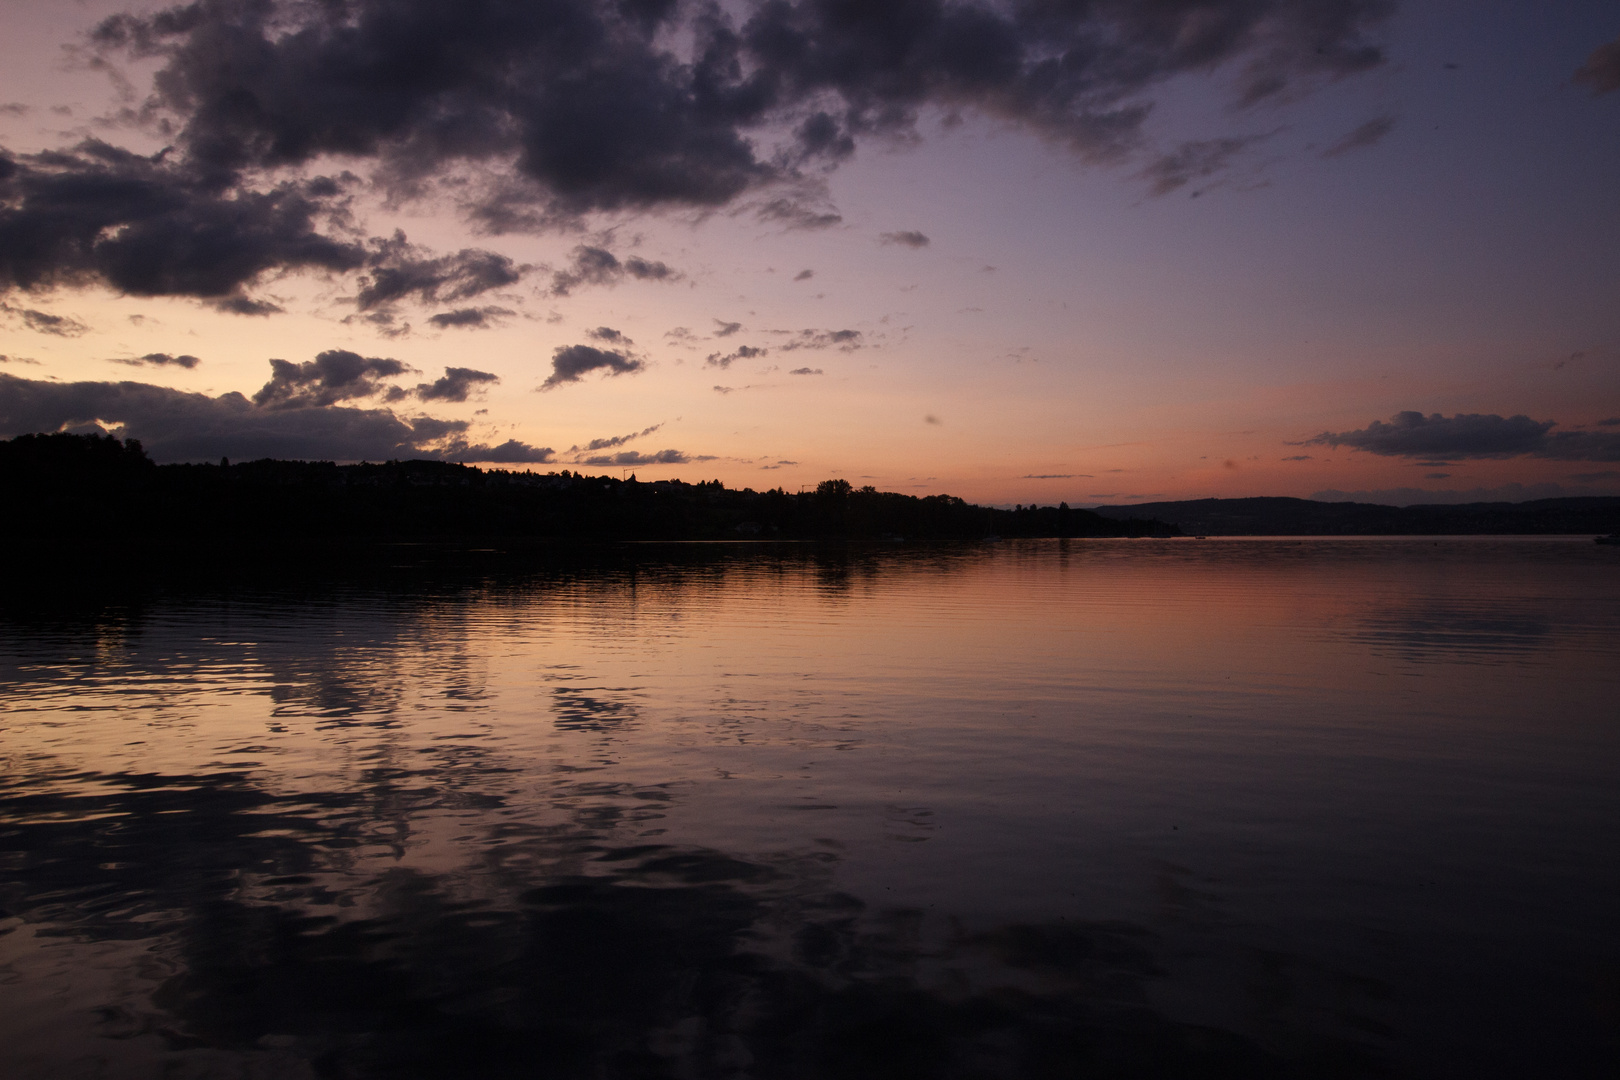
(1305, 517)
(94, 491)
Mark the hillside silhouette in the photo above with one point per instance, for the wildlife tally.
(1276, 516)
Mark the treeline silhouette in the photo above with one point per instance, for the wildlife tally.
(94, 489)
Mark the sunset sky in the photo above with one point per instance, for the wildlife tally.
(1098, 251)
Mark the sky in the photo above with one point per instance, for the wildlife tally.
(1093, 251)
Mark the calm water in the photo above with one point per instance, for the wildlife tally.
(1126, 808)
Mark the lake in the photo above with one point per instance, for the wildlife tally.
(1246, 808)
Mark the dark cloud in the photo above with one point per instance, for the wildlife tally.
(1057, 476)
(588, 105)
(616, 440)
(510, 452)
(44, 322)
(633, 457)
(151, 226)
(726, 329)
(608, 334)
(744, 352)
(18, 360)
(570, 362)
(397, 270)
(333, 376)
(804, 275)
(932, 419)
(470, 318)
(1368, 134)
(844, 340)
(1601, 72)
(1473, 435)
(247, 305)
(1613, 421)
(387, 323)
(456, 384)
(155, 226)
(534, 114)
(642, 270)
(598, 266)
(805, 371)
(1192, 161)
(910, 239)
(158, 359)
(1299, 457)
(175, 425)
(795, 214)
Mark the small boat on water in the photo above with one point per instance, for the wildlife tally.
(1612, 538)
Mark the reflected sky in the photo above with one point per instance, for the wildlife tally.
(1135, 808)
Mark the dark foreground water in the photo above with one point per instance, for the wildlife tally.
(1333, 808)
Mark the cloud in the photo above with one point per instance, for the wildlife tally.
(796, 215)
(158, 359)
(1473, 435)
(598, 266)
(844, 340)
(18, 360)
(1057, 476)
(932, 419)
(1596, 477)
(633, 457)
(1368, 134)
(804, 275)
(176, 425)
(535, 115)
(1300, 457)
(570, 362)
(155, 226)
(1601, 72)
(616, 440)
(571, 107)
(910, 239)
(1192, 161)
(510, 452)
(469, 318)
(333, 376)
(805, 371)
(397, 270)
(608, 334)
(726, 329)
(44, 322)
(744, 352)
(247, 305)
(456, 384)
